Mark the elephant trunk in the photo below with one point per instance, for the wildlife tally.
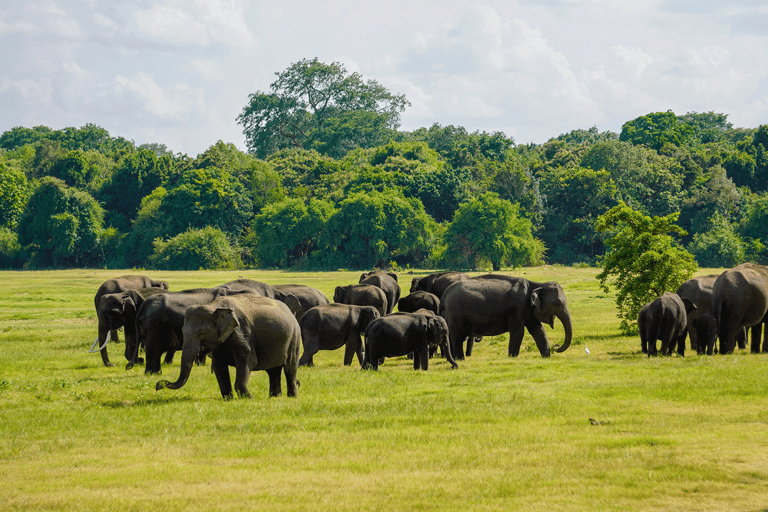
(565, 319)
(188, 355)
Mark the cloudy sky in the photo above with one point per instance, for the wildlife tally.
(178, 72)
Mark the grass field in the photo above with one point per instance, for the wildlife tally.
(604, 430)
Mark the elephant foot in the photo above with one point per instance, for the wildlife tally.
(109, 365)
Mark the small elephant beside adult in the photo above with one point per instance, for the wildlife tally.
(333, 326)
(437, 283)
(306, 296)
(362, 295)
(740, 300)
(387, 281)
(112, 286)
(492, 304)
(665, 319)
(400, 334)
(159, 323)
(247, 331)
(419, 300)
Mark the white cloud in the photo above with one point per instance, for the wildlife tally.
(176, 103)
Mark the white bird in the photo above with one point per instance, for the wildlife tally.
(586, 349)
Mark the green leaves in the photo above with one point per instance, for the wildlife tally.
(642, 261)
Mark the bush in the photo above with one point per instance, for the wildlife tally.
(207, 248)
(719, 247)
(11, 253)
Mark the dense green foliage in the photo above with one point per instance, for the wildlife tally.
(643, 261)
(206, 248)
(329, 181)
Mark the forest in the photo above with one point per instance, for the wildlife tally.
(328, 180)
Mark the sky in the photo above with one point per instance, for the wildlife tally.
(179, 72)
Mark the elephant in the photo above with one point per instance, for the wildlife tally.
(387, 281)
(117, 285)
(740, 299)
(399, 334)
(437, 283)
(118, 310)
(665, 318)
(493, 304)
(699, 291)
(307, 296)
(419, 300)
(247, 331)
(160, 320)
(362, 295)
(332, 326)
(705, 325)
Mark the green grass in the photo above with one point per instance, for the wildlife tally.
(608, 430)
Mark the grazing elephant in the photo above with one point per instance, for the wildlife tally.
(739, 300)
(303, 297)
(387, 281)
(705, 326)
(159, 323)
(117, 285)
(419, 300)
(665, 318)
(362, 295)
(437, 283)
(247, 331)
(118, 310)
(400, 334)
(493, 304)
(332, 326)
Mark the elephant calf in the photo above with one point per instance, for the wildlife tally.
(666, 319)
(332, 326)
(402, 333)
(419, 300)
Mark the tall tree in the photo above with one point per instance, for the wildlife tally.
(322, 106)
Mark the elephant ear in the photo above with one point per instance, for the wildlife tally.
(392, 275)
(689, 306)
(131, 302)
(226, 322)
(536, 298)
(338, 294)
(293, 303)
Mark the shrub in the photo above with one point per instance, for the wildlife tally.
(207, 248)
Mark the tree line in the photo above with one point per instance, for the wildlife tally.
(328, 181)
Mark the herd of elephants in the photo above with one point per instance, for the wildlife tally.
(253, 325)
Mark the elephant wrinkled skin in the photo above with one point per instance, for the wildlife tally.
(665, 319)
(740, 300)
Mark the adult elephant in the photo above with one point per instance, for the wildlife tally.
(160, 320)
(419, 300)
(665, 319)
(437, 283)
(117, 285)
(493, 304)
(247, 331)
(699, 291)
(400, 334)
(333, 326)
(118, 310)
(300, 298)
(740, 300)
(387, 281)
(362, 295)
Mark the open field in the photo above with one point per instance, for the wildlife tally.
(604, 430)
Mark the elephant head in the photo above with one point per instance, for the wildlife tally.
(115, 308)
(339, 294)
(548, 301)
(367, 315)
(437, 334)
(205, 328)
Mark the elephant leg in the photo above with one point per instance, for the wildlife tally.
(242, 375)
(416, 359)
(423, 354)
(306, 358)
(114, 337)
(681, 344)
(350, 349)
(539, 336)
(470, 344)
(765, 340)
(742, 338)
(275, 387)
(516, 334)
(359, 350)
(757, 331)
(222, 376)
(692, 336)
(169, 356)
(291, 382)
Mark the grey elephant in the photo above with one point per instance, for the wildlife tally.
(247, 331)
(493, 304)
(437, 283)
(705, 326)
(400, 334)
(699, 291)
(665, 319)
(362, 295)
(117, 285)
(419, 300)
(302, 297)
(333, 326)
(118, 310)
(387, 281)
(740, 300)
(159, 323)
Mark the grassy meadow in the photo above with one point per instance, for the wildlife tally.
(607, 429)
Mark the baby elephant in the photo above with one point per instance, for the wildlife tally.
(402, 333)
(666, 319)
(418, 300)
(705, 326)
(332, 326)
